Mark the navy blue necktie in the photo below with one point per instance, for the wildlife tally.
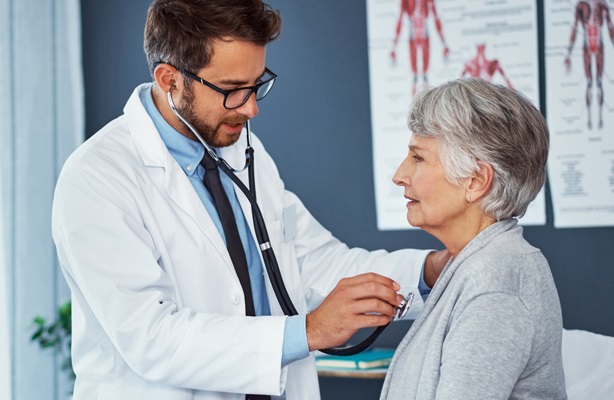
(213, 183)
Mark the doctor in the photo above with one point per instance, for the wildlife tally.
(158, 310)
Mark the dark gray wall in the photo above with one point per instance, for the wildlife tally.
(316, 124)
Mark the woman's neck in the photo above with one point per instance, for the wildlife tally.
(457, 235)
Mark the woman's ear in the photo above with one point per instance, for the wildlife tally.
(481, 181)
(166, 77)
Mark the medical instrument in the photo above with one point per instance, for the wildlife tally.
(268, 255)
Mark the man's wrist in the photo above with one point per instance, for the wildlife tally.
(295, 345)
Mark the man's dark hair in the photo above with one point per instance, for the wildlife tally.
(182, 32)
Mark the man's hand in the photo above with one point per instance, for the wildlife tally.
(366, 300)
(435, 262)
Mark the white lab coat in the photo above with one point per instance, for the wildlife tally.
(158, 310)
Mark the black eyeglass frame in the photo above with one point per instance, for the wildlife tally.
(226, 93)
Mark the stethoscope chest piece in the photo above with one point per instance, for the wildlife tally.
(403, 308)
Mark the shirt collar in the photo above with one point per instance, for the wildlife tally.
(186, 151)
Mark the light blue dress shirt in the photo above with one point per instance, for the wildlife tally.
(423, 287)
(188, 154)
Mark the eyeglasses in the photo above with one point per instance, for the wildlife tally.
(235, 98)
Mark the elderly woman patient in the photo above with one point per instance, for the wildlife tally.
(491, 327)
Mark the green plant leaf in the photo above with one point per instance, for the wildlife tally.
(56, 334)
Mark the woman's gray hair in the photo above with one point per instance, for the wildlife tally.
(476, 121)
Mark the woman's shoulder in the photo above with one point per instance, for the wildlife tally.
(511, 266)
(507, 264)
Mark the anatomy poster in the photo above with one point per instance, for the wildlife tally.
(427, 42)
(580, 111)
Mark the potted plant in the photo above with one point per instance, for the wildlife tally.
(57, 335)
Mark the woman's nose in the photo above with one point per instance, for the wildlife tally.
(401, 176)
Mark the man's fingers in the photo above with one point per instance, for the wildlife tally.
(373, 320)
(371, 277)
(362, 301)
(372, 306)
(361, 290)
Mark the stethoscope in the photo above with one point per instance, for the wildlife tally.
(262, 235)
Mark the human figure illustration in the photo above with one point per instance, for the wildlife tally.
(418, 13)
(591, 15)
(482, 67)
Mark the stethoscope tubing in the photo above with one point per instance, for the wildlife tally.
(272, 267)
(268, 255)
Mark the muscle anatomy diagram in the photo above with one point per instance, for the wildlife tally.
(418, 12)
(592, 15)
(482, 67)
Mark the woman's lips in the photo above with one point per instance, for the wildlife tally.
(411, 201)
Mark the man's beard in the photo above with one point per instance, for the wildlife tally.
(208, 132)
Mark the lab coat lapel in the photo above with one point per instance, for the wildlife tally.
(183, 194)
(154, 154)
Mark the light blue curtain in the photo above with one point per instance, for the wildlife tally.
(5, 361)
(41, 122)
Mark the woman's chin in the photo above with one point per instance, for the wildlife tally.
(414, 223)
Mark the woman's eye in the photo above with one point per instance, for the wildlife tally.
(417, 157)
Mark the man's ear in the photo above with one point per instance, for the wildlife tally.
(166, 77)
(480, 183)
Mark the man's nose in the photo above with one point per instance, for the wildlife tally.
(250, 108)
